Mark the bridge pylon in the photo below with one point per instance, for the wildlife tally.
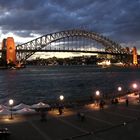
(135, 59)
(9, 51)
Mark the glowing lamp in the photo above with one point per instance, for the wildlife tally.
(11, 102)
(61, 97)
(135, 85)
(119, 88)
(97, 93)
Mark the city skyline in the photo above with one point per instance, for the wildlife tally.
(28, 19)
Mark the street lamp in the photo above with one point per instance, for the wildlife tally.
(134, 85)
(11, 102)
(97, 93)
(61, 97)
(119, 88)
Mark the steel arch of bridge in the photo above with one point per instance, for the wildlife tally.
(27, 49)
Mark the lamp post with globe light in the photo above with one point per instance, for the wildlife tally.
(11, 102)
(97, 96)
(135, 87)
(119, 89)
(61, 97)
(97, 93)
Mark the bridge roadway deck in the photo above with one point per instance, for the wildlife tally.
(70, 50)
(114, 122)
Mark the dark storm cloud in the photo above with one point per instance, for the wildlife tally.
(21, 4)
(118, 19)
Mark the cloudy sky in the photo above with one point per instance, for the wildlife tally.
(28, 19)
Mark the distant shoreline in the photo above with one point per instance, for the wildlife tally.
(2, 67)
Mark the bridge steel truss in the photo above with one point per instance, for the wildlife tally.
(24, 51)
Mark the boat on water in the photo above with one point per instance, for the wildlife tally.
(104, 63)
(118, 64)
(13, 68)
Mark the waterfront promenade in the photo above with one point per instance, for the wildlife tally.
(115, 121)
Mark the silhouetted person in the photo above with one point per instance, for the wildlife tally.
(60, 110)
(43, 116)
(116, 101)
(101, 104)
(91, 98)
(127, 102)
(112, 101)
(81, 116)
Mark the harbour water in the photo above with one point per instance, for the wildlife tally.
(44, 83)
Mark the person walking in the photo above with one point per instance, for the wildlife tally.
(43, 116)
(60, 109)
(81, 116)
(127, 102)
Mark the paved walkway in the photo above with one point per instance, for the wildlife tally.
(117, 122)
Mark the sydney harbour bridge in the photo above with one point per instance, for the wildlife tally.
(75, 41)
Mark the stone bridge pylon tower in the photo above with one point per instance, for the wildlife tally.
(9, 51)
(135, 59)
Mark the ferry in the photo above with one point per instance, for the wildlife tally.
(104, 63)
